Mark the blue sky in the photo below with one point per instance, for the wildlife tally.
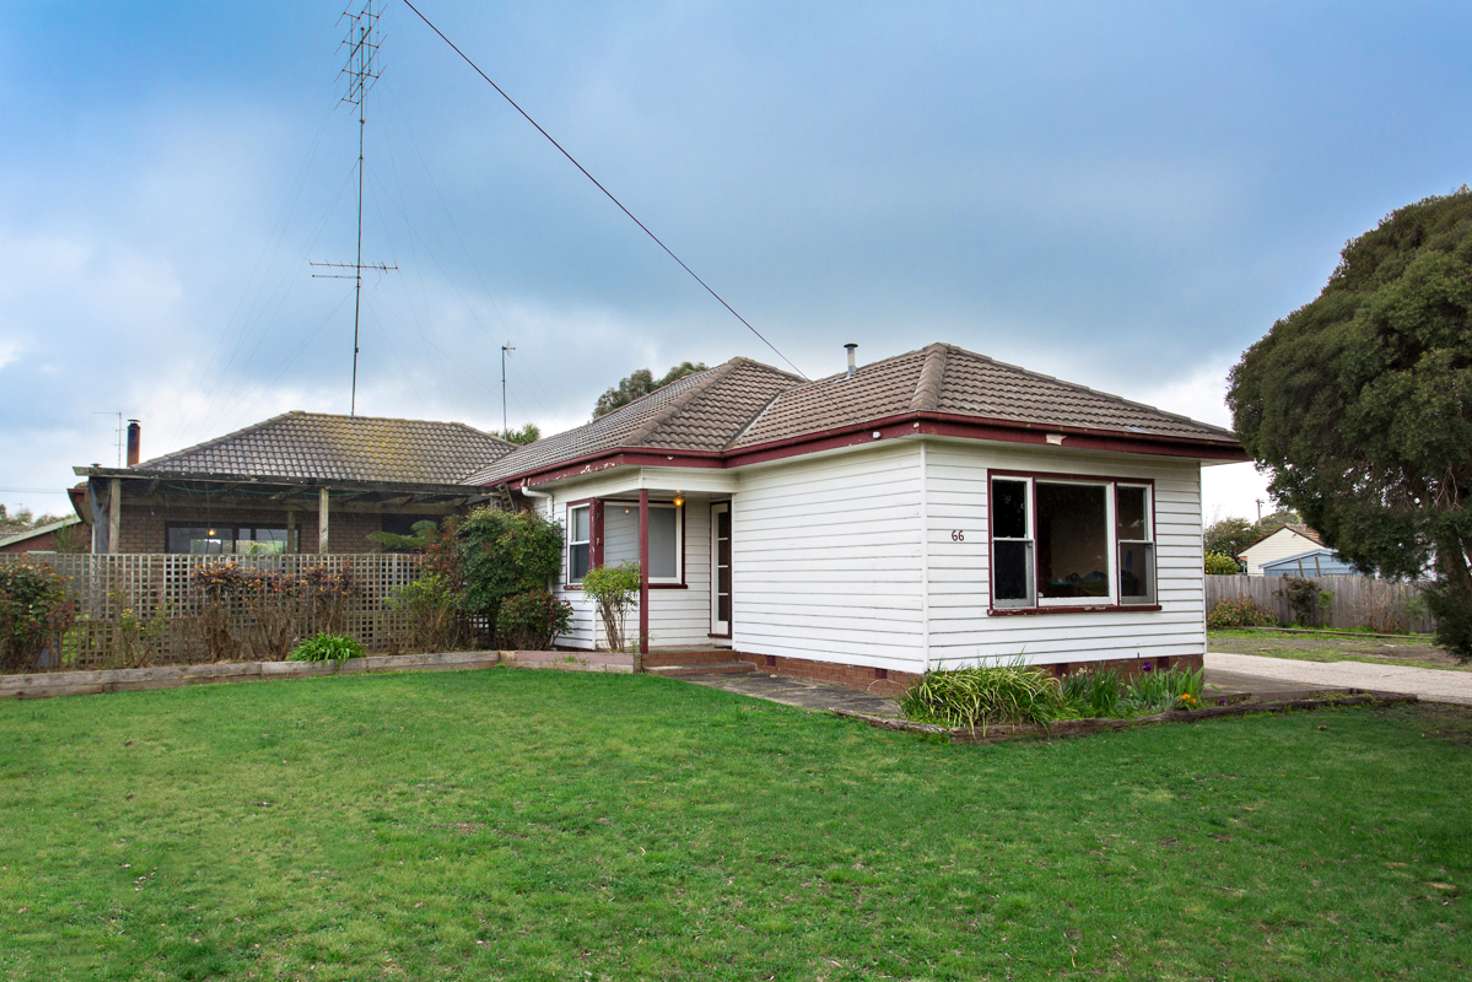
(1125, 197)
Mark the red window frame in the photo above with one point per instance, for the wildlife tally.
(1114, 481)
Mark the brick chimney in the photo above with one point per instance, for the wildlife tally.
(135, 435)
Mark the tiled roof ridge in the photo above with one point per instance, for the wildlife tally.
(205, 444)
(932, 379)
(1084, 388)
(396, 419)
(710, 377)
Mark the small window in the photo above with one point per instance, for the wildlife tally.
(1012, 547)
(1135, 531)
(579, 543)
(664, 544)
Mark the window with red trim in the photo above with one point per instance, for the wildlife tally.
(1063, 541)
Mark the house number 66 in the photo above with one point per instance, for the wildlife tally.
(958, 535)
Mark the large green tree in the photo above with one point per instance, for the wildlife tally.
(1360, 404)
(640, 383)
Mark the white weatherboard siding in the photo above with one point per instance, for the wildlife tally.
(961, 632)
(826, 559)
(1280, 545)
(676, 616)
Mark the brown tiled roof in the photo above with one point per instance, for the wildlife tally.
(943, 378)
(699, 412)
(344, 448)
(743, 404)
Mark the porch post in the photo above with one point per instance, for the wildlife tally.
(643, 577)
(114, 515)
(323, 501)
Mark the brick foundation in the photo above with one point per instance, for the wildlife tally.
(878, 681)
(888, 682)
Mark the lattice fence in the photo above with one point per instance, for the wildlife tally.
(154, 609)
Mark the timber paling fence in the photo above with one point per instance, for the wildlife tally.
(1389, 606)
(137, 609)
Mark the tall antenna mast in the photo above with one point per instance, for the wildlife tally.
(361, 71)
(505, 423)
(118, 413)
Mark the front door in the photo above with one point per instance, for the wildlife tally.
(720, 567)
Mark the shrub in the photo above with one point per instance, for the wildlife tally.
(433, 608)
(505, 553)
(1453, 620)
(1105, 693)
(1094, 693)
(1221, 564)
(34, 614)
(978, 697)
(1306, 599)
(615, 589)
(532, 621)
(1155, 692)
(1238, 612)
(327, 647)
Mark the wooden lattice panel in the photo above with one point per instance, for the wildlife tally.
(147, 608)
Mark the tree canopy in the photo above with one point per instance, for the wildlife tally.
(1359, 404)
(1230, 536)
(529, 433)
(640, 383)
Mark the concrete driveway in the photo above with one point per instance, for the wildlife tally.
(1430, 684)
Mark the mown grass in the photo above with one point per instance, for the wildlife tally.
(551, 825)
(1412, 650)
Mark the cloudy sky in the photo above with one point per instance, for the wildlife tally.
(1124, 197)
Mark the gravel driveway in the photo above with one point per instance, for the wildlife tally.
(1432, 685)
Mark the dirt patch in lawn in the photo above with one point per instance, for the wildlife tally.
(1415, 652)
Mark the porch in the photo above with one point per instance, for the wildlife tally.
(678, 539)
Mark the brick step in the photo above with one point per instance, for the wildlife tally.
(704, 656)
(707, 668)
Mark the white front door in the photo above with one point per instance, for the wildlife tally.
(720, 569)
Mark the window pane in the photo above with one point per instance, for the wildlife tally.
(202, 540)
(662, 559)
(1010, 571)
(261, 542)
(1009, 509)
(1073, 541)
(579, 531)
(1137, 572)
(577, 562)
(1130, 513)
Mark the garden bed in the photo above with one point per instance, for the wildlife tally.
(40, 685)
(1238, 704)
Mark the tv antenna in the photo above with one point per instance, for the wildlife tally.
(506, 349)
(360, 70)
(118, 414)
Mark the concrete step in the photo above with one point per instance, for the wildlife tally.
(707, 668)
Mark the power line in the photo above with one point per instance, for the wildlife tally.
(599, 185)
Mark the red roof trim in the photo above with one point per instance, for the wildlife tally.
(889, 427)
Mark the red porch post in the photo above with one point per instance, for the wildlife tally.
(643, 575)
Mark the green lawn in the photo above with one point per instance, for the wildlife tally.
(520, 824)
(1414, 650)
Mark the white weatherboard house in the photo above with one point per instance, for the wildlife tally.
(926, 511)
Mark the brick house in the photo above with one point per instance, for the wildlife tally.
(298, 482)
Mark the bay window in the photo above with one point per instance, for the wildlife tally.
(1070, 542)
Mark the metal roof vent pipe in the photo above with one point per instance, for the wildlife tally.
(135, 441)
(851, 347)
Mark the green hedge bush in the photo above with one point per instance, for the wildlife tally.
(1239, 612)
(531, 621)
